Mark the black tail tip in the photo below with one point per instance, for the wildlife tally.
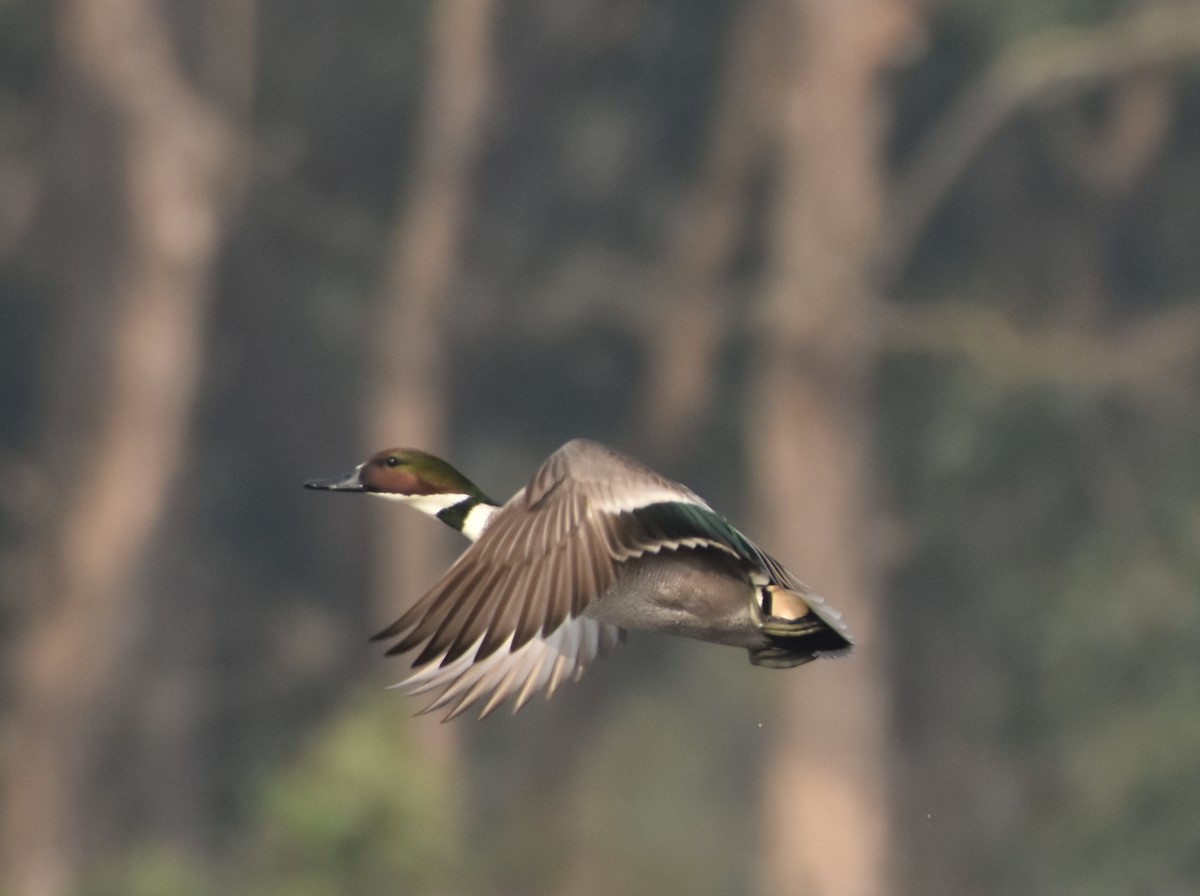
(784, 653)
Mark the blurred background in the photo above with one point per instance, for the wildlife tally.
(908, 290)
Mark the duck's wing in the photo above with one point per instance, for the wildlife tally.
(507, 617)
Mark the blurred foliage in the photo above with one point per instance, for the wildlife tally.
(1043, 613)
(150, 871)
(1045, 650)
(650, 765)
(361, 810)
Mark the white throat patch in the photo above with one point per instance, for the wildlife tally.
(477, 520)
(430, 504)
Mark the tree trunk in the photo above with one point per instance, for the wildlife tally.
(151, 162)
(409, 406)
(691, 311)
(825, 806)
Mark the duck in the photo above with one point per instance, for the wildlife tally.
(595, 546)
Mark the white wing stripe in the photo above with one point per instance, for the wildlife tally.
(539, 663)
(627, 499)
(568, 653)
(433, 674)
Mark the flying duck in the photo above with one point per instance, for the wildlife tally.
(594, 545)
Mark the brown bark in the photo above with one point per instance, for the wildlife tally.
(117, 417)
(825, 815)
(691, 312)
(410, 390)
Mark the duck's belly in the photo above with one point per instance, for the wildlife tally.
(694, 594)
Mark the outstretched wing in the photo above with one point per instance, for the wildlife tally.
(508, 616)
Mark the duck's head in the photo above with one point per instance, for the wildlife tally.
(403, 474)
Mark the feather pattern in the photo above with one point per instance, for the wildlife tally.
(541, 662)
(510, 616)
(544, 557)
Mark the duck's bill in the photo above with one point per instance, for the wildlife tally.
(349, 483)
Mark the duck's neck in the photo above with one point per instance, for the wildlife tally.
(468, 514)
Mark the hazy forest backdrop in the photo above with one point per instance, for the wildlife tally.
(910, 290)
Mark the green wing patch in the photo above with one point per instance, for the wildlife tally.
(677, 522)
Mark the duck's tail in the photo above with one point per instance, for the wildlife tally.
(799, 627)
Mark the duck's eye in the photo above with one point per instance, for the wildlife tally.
(392, 461)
